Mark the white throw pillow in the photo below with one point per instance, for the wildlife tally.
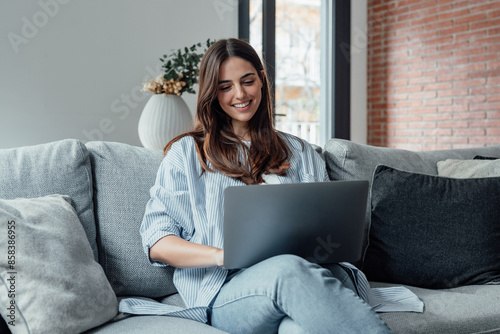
(463, 169)
(48, 269)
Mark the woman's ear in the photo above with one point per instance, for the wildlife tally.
(263, 77)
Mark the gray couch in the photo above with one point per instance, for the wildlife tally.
(108, 184)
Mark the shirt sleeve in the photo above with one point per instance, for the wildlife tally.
(168, 210)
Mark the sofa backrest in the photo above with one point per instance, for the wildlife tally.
(123, 175)
(346, 160)
(61, 167)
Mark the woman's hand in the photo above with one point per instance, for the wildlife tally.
(219, 257)
(181, 253)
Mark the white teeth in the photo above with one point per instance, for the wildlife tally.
(242, 105)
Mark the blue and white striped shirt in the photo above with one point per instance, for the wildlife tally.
(189, 206)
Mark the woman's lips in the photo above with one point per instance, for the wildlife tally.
(242, 106)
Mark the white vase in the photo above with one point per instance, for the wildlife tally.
(163, 118)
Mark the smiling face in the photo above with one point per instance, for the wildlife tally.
(239, 93)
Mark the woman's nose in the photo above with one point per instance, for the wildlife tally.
(239, 92)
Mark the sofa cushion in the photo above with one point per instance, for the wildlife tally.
(433, 232)
(123, 175)
(462, 310)
(346, 160)
(49, 269)
(61, 167)
(155, 324)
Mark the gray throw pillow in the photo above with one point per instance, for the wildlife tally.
(60, 167)
(48, 270)
(469, 168)
(433, 232)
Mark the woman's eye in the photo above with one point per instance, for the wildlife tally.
(225, 88)
(249, 82)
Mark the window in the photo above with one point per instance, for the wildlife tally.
(296, 39)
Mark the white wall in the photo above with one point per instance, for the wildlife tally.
(74, 69)
(359, 133)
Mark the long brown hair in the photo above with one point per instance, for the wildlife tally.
(216, 143)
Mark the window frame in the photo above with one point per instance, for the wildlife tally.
(335, 103)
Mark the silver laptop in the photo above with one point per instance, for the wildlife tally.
(323, 222)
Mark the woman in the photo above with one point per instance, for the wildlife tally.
(234, 143)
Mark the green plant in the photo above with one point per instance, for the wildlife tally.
(181, 69)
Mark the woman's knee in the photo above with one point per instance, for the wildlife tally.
(286, 266)
(284, 261)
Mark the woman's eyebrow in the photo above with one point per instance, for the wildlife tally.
(246, 75)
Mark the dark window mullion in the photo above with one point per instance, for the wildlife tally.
(341, 90)
(269, 42)
(244, 20)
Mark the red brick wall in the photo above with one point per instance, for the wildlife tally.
(433, 73)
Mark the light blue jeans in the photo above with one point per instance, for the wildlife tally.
(287, 294)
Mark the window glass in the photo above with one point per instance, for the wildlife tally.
(256, 25)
